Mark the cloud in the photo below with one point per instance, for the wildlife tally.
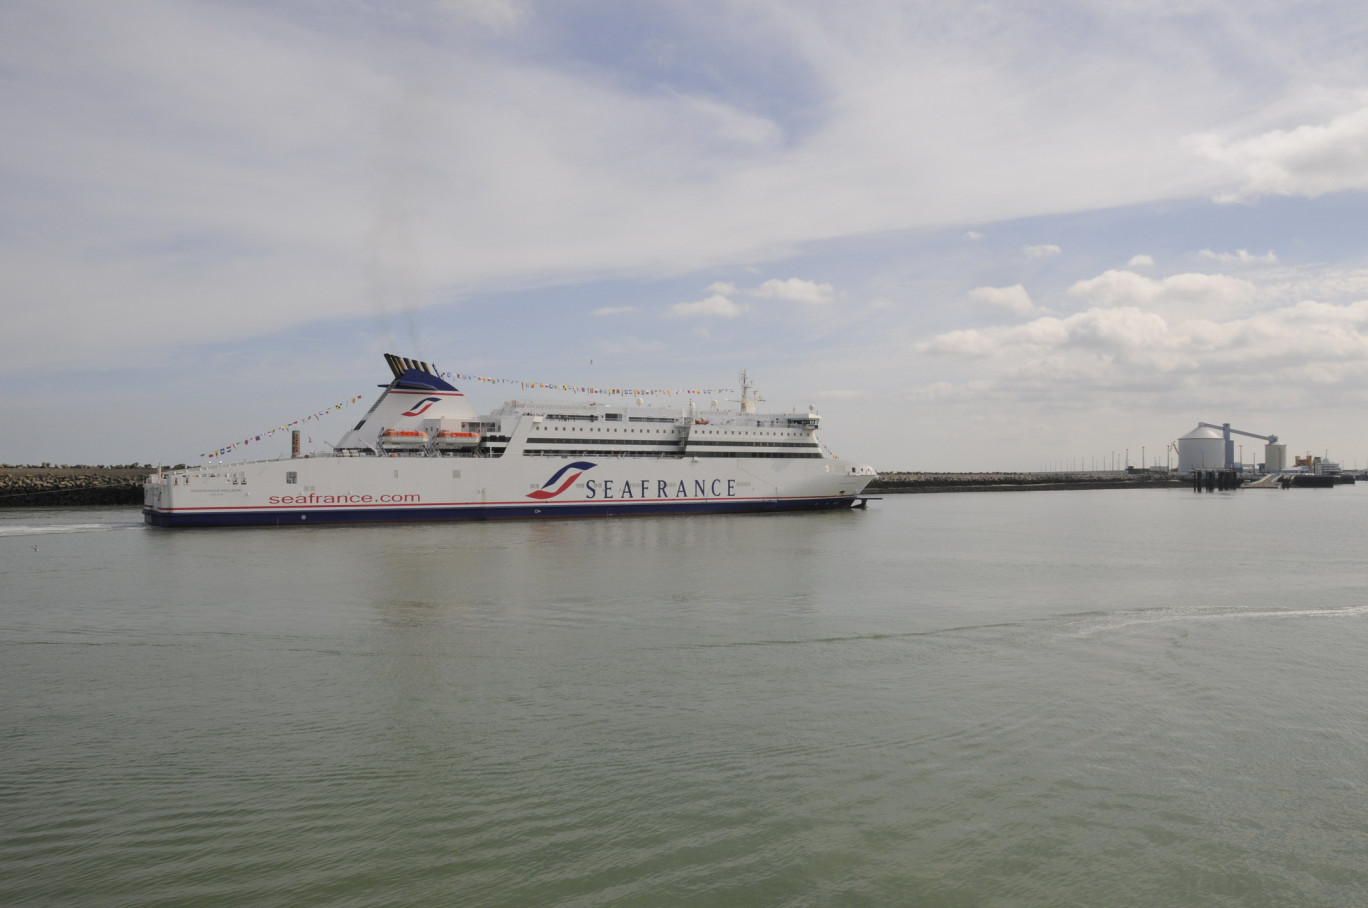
(1289, 285)
(1240, 256)
(795, 290)
(372, 164)
(1175, 296)
(1110, 331)
(716, 306)
(1167, 345)
(1013, 299)
(1041, 252)
(967, 343)
(720, 304)
(1310, 160)
(614, 310)
(1108, 348)
(973, 236)
(1140, 261)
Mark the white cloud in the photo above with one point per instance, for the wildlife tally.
(1115, 347)
(1289, 285)
(1153, 348)
(1041, 252)
(795, 290)
(720, 303)
(973, 236)
(1175, 296)
(1014, 298)
(299, 170)
(716, 306)
(1310, 160)
(1140, 261)
(614, 310)
(968, 343)
(1241, 257)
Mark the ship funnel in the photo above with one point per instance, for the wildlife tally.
(417, 394)
(401, 364)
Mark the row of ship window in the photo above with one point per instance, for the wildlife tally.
(671, 431)
(672, 443)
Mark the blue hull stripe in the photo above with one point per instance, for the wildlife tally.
(537, 511)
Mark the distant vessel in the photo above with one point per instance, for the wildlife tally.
(422, 453)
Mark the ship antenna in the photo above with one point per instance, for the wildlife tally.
(747, 402)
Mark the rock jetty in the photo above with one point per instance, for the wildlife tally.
(890, 483)
(64, 486)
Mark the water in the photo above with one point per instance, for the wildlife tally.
(1048, 698)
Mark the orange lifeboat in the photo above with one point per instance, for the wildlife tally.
(401, 439)
(447, 438)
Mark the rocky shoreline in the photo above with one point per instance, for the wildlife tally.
(65, 486)
(898, 483)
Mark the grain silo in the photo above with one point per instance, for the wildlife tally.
(1202, 449)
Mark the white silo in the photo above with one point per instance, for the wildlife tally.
(1201, 449)
(1275, 458)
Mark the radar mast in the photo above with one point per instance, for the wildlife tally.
(747, 402)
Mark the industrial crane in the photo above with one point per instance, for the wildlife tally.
(1226, 432)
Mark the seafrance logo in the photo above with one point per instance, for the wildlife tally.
(421, 407)
(546, 491)
(623, 488)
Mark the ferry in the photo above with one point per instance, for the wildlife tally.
(423, 453)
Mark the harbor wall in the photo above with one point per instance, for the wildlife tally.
(64, 486)
(894, 483)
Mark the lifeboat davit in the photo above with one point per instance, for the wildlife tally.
(447, 439)
(403, 439)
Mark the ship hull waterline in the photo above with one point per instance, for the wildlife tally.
(525, 460)
(347, 491)
(478, 512)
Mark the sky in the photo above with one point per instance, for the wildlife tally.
(975, 235)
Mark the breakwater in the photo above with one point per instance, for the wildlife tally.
(64, 486)
(893, 483)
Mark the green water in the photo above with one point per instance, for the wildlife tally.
(1052, 698)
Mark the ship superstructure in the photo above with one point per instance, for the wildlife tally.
(422, 452)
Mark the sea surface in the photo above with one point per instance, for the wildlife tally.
(1119, 697)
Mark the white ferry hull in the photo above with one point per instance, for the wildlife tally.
(523, 460)
(333, 490)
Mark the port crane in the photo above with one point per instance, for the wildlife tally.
(1226, 432)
